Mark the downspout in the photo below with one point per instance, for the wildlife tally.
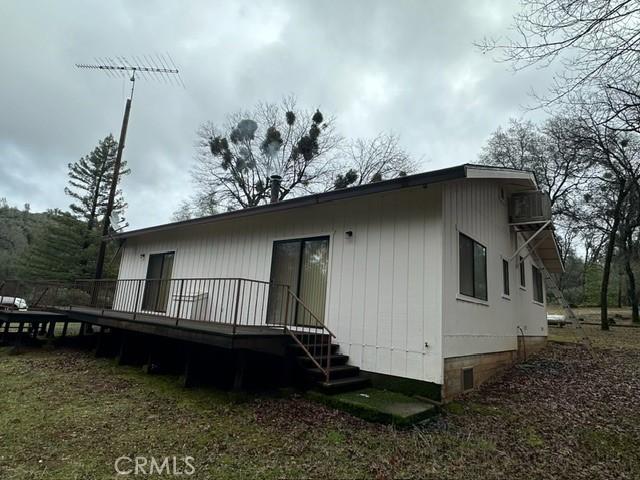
(524, 344)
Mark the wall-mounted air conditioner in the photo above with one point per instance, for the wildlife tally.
(529, 207)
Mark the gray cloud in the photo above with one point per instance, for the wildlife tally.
(409, 67)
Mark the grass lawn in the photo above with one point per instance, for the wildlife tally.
(67, 415)
(621, 316)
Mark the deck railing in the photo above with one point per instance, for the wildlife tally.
(36, 294)
(237, 302)
(240, 303)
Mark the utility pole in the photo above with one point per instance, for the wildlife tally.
(149, 68)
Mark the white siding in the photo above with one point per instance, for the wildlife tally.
(474, 208)
(384, 292)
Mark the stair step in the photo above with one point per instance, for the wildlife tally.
(307, 338)
(337, 372)
(315, 347)
(339, 385)
(336, 360)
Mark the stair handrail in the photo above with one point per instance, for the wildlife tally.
(295, 334)
(318, 321)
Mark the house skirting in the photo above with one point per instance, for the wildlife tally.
(485, 365)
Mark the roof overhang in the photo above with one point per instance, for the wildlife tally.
(545, 246)
(519, 179)
(510, 176)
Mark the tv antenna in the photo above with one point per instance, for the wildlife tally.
(146, 67)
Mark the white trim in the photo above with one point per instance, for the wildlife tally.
(465, 298)
(522, 265)
(331, 236)
(504, 259)
(475, 171)
(301, 237)
(538, 303)
(472, 237)
(462, 296)
(147, 255)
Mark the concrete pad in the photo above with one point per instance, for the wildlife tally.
(381, 406)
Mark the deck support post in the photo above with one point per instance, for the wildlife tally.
(240, 371)
(124, 355)
(100, 344)
(188, 375)
(52, 329)
(83, 327)
(65, 326)
(152, 365)
(43, 328)
(5, 339)
(18, 344)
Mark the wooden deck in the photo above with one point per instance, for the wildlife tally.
(31, 323)
(258, 338)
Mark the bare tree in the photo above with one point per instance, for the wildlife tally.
(617, 170)
(373, 159)
(202, 204)
(560, 163)
(596, 43)
(235, 162)
(629, 226)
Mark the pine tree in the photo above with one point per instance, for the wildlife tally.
(58, 250)
(90, 181)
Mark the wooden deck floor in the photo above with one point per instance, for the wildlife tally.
(260, 337)
(29, 315)
(211, 327)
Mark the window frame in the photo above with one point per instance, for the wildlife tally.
(506, 280)
(522, 266)
(537, 284)
(465, 296)
(302, 240)
(147, 290)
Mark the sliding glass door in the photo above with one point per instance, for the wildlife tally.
(302, 264)
(158, 282)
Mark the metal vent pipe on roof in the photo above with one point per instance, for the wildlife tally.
(275, 188)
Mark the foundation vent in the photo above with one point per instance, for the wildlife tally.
(467, 379)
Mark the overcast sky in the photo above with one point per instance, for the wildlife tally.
(407, 67)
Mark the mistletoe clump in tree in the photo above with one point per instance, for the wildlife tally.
(235, 162)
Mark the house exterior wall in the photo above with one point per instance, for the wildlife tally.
(384, 293)
(472, 328)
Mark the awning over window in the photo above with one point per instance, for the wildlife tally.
(544, 244)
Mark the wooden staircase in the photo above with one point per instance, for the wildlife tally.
(342, 377)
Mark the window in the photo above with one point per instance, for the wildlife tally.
(537, 284)
(523, 282)
(473, 268)
(505, 277)
(156, 286)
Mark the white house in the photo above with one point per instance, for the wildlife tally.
(419, 278)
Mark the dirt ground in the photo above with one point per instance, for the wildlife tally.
(562, 414)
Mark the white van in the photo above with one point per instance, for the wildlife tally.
(13, 303)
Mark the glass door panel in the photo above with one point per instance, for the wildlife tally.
(285, 269)
(313, 280)
(301, 264)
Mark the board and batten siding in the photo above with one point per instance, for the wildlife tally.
(384, 289)
(476, 208)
